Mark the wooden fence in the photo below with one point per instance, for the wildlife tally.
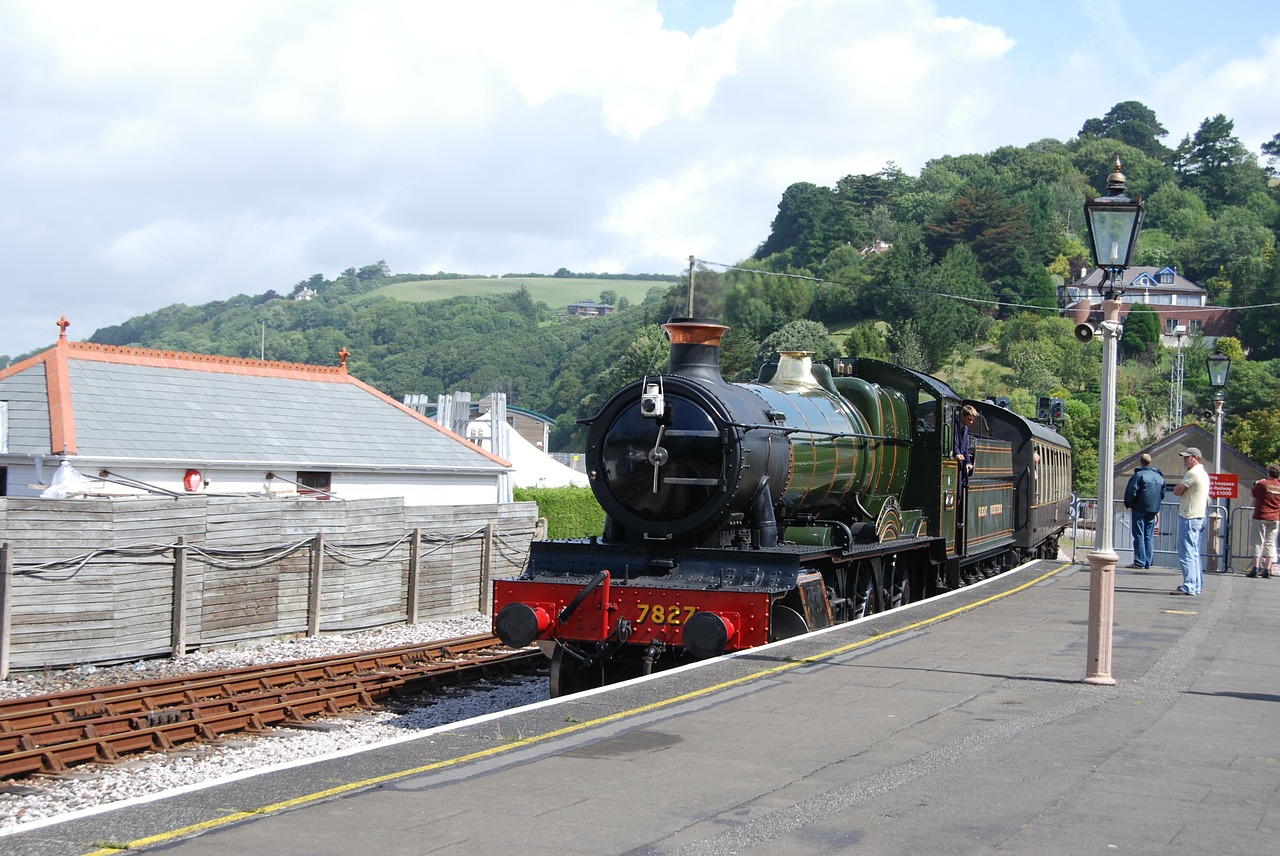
(100, 581)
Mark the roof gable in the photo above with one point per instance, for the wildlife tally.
(1139, 277)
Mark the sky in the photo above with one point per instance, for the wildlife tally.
(154, 153)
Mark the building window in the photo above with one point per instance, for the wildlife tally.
(4, 481)
(1170, 325)
(1195, 326)
(1166, 276)
(314, 484)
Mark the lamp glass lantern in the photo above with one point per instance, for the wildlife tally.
(1114, 224)
(1219, 368)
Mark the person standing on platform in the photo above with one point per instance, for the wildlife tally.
(1266, 519)
(1143, 496)
(1193, 498)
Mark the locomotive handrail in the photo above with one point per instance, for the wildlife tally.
(582, 595)
(786, 429)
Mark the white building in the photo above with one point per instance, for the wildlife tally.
(139, 421)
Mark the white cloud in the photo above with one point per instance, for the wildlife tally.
(159, 152)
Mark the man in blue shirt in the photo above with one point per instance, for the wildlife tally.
(1143, 496)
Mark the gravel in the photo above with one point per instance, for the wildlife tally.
(45, 799)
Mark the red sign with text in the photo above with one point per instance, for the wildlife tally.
(1224, 485)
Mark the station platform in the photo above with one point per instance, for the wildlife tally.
(955, 726)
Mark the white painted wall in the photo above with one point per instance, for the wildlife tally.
(415, 487)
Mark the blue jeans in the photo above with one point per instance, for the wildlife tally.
(1144, 537)
(1189, 554)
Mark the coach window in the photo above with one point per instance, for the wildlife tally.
(314, 484)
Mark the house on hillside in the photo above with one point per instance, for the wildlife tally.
(590, 309)
(1178, 301)
(138, 421)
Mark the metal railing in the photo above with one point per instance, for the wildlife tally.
(1235, 551)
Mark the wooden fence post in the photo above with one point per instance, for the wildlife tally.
(178, 634)
(6, 606)
(486, 571)
(317, 572)
(415, 558)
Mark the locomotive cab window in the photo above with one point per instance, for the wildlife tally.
(926, 412)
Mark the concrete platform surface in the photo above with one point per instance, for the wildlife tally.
(954, 727)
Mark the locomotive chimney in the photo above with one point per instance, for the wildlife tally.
(695, 347)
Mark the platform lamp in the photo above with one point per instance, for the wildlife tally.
(1114, 223)
(1219, 368)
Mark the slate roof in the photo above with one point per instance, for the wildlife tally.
(107, 402)
(1141, 277)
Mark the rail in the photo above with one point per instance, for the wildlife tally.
(50, 733)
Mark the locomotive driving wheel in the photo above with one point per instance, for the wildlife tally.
(898, 584)
(866, 594)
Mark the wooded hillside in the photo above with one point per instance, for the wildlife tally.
(971, 251)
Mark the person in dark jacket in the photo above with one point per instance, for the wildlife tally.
(1143, 496)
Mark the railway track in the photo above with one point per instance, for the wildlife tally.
(50, 733)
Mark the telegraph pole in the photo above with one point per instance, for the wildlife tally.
(690, 312)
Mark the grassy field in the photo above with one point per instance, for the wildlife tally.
(556, 292)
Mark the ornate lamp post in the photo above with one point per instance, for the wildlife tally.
(1219, 367)
(1114, 223)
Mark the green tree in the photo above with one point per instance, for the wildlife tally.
(1257, 434)
(1095, 158)
(983, 219)
(1174, 210)
(1081, 428)
(907, 346)
(1271, 150)
(1026, 283)
(1132, 123)
(807, 225)
(866, 339)
(1215, 164)
(1259, 328)
(1141, 335)
(797, 336)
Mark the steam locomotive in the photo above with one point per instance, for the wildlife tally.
(742, 513)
